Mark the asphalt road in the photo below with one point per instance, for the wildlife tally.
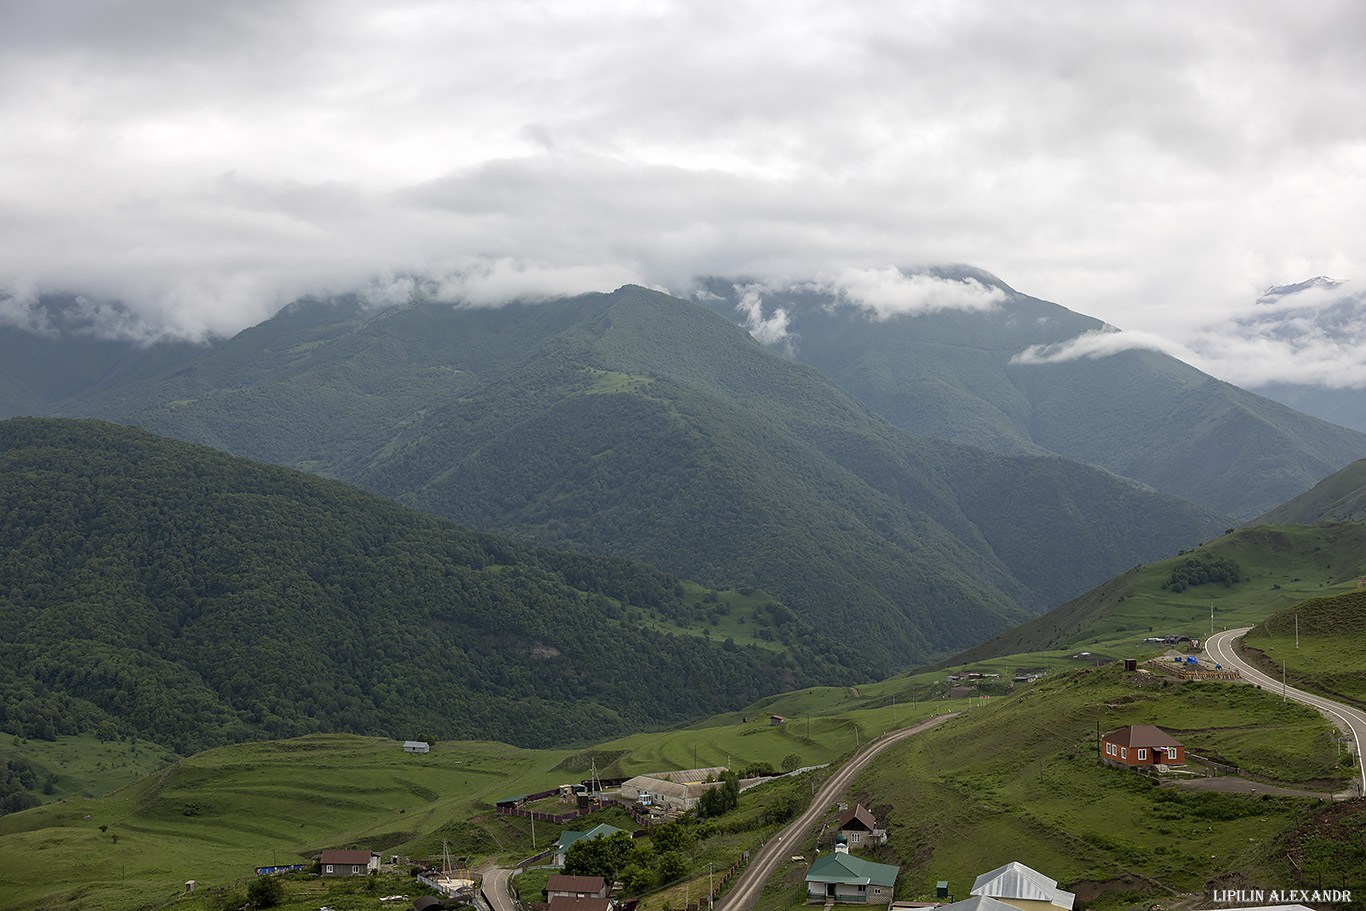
(495, 889)
(763, 862)
(1220, 648)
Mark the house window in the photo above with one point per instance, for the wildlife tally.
(1123, 753)
(1142, 754)
(355, 870)
(855, 838)
(329, 868)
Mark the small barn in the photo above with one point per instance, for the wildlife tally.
(679, 790)
(860, 829)
(575, 887)
(1141, 745)
(344, 862)
(416, 746)
(1024, 888)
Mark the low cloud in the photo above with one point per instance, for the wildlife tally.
(494, 282)
(890, 292)
(1101, 343)
(1155, 166)
(773, 331)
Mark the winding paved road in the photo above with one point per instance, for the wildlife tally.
(1220, 648)
(495, 889)
(764, 861)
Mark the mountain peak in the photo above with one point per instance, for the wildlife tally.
(1318, 281)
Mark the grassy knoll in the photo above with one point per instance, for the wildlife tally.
(84, 765)
(1018, 779)
(1321, 643)
(215, 816)
(1280, 565)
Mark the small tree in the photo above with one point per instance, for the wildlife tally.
(266, 892)
(671, 866)
(599, 856)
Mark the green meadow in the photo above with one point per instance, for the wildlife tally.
(1019, 779)
(1319, 642)
(1280, 566)
(84, 765)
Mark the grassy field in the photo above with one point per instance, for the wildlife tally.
(215, 816)
(1322, 643)
(1280, 566)
(85, 766)
(1018, 779)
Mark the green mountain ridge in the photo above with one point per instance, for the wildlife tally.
(169, 591)
(1141, 414)
(639, 425)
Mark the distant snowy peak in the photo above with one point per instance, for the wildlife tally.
(1319, 282)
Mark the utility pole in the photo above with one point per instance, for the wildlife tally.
(711, 889)
(1297, 629)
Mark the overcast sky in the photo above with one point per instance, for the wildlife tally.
(1157, 165)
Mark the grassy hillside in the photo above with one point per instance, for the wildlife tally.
(953, 373)
(1280, 566)
(209, 599)
(216, 815)
(1320, 642)
(1018, 779)
(1340, 497)
(1011, 779)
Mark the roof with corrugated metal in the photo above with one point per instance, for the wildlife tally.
(850, 870)
(1142, 735)
(562, 882)
(345, 856)
(858, 818)
(1015, 880)
(568, 838)
(571, 903)
(979, 903)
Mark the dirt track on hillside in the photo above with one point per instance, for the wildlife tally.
(1231, 784)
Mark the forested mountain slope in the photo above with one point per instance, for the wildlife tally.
(1340, 497)
(641, 425)
(956, 374)
(167, 590)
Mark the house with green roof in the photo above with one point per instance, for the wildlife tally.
(568, 838)
(842, 877)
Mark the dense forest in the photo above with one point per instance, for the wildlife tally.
(638, 425)
(165, 590)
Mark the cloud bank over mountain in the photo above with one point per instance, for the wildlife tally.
(1158, 167)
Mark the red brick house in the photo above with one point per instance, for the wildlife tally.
(1141, 745)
